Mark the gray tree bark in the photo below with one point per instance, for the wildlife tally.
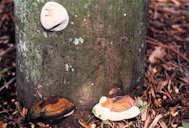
(101, 51)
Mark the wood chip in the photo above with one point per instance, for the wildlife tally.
(155, 121)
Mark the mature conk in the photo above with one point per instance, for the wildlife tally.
(116, 109)
(53, 107)
(54, 17)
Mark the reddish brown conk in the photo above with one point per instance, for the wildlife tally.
(52, 107)
(119, 103)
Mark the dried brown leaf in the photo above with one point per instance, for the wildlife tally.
(85, 124)
(3, 125)
(156, 55)
(24, 112)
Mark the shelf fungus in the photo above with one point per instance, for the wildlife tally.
(116, 109)
(53, 108)
(54, 16)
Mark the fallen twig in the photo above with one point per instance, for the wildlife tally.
(157, 43)
(10, 49)
(155, 121)
(7, 84)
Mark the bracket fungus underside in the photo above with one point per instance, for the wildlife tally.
(116, 109)
(54, 17)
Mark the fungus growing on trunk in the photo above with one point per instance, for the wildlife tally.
(54, 17)
(52, 108)
(116, 109)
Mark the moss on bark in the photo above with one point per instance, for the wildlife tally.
(101, 49)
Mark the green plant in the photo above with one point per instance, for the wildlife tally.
(184, 125)
(2, 72)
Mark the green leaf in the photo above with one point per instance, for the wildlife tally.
(185, 124)
(142, 109)
(2, 71)
(140, 103)
(94, 111)
(107, 122)
(141, 106)
(18, 106)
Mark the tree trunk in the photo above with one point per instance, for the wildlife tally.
(101, 52)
